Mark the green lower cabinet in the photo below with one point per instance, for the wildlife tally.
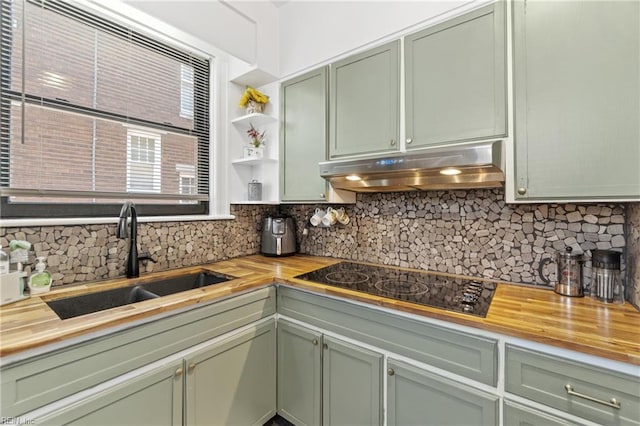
(519, 415)
(323, 380)
(351, 384)
(153, 398)
(299, 374)
(418, 397)
(232, 382)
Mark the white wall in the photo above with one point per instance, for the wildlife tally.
(247, 30)
(315, 32)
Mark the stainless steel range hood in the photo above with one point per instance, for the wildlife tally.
(477, 165)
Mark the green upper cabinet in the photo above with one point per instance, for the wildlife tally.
(577, 96)
(455, 79)
(364, 94)
(303, 136)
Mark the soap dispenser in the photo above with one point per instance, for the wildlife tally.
(40, 281)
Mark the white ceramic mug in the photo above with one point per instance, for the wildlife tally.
(330, 218)
(316, 219)
(341, 216)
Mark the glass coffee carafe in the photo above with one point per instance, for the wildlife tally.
(568, 273)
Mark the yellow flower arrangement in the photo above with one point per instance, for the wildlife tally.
(252, 95)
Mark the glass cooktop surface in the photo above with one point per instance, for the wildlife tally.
(454, 294)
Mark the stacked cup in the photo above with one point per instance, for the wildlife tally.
(329, 217)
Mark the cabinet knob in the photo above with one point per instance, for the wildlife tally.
(409, 140)
(322, 195)
(315, 342)
(325, 346)
(393, 142)
(191, 367)
(522, 190)
(178, 372)
(390, 372)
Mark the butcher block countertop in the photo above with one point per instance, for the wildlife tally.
(580, 324)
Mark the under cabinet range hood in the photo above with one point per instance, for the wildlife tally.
(477, 165)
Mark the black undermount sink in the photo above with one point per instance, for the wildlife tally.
(99, 301)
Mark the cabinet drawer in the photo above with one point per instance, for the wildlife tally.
(580, 389)
(461, 353)
(37, 381)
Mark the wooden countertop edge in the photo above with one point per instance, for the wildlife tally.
(256, 271)
(466, 320)
(75, 327)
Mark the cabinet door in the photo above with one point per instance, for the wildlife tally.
(365, 103)
(303, 136)
(418, 397)
(455, 79)
(351, 385)
(519, 415)
(153, 398)
(299, 374)
(233, 381)
(577, 103)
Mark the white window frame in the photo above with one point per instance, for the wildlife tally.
(156, 165)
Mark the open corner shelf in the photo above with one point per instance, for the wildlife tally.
(252, 161)
(254, 77)
(266, 202)
(257, 119)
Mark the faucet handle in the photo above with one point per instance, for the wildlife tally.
(146, 256)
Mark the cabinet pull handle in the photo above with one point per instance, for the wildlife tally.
(393, 142)
(409, 140)
(315, 342)
(191, 367)
(178, 372)
(325, 346)
(390, 372)
(611, 403)
(522, 190)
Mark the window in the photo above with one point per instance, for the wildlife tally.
(143, 162)
(186, 91)
(93, 113)
(188, 183)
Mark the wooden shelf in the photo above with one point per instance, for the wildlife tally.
(256, 119)
(252, 161)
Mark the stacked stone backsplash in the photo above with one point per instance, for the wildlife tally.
(464, 232)
(633, 254)
(78, 253)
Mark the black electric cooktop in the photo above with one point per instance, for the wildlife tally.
(424, 288)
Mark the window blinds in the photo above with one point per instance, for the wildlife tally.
(93, 111)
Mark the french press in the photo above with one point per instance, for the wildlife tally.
(606, 284)
(568, 273)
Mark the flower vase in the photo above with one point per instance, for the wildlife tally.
(252, 152)
(254, 107)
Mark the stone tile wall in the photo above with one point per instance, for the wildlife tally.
(92, 252)
(633, 254)
(464, 232)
